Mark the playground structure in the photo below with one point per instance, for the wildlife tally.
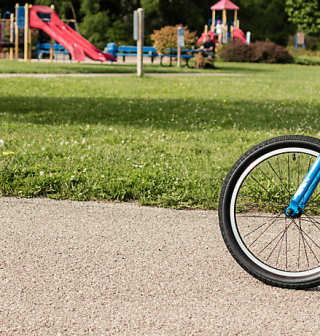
(46, 19)
(7, 24)
(224, 23)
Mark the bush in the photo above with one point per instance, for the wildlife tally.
(307, 60)
(312, 43)
(258, 52)
(166, 38)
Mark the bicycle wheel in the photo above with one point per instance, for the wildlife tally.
(278, 250)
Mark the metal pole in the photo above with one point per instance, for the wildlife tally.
(26, 32)
(140, 43)
(213, 20)
(180, 43)
(11, 34)
(16, 34)
(51, 42)
(179, 57)
(30, 42)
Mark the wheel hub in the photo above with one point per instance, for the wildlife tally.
(292, 214)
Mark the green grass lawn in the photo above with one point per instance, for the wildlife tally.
(84, 68)
(91, 68)
(166, 141)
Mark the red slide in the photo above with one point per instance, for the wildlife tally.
(239, 34)
(77, 45)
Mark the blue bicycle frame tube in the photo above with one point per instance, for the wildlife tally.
(302, 196)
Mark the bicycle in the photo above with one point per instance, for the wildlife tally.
(269, 211)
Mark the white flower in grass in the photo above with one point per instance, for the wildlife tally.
(83, 141)
(84, 170)
(43, 148)
(1, 143)
(102, 176)
(41, 173)
(72, 177)
(89, 147)
(66, 143)
(76, 142)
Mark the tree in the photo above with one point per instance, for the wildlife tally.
(305, 14)
(108, 21)
(266, 20)
(66, 9)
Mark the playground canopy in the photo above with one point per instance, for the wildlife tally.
(224, 4)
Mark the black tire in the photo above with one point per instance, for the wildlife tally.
(275, 249)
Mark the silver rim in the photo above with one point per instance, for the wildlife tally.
(302, 233)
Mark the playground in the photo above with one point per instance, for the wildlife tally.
(56, 37)
(64, 39)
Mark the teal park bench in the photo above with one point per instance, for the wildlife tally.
(44, 48)
(186, 54)
(131, 51)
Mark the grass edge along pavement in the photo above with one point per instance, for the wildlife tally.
(163, 141)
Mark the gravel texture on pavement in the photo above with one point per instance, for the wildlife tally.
(90, 268)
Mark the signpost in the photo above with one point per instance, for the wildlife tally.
(135, 25)
(180, 44)
(138, 35)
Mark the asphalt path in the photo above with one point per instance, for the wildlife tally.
(90, 268)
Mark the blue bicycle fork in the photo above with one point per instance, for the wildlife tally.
(302, 196)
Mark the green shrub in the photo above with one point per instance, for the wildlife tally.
(166, 38)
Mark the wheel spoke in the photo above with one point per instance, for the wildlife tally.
(260, 226)
(281, 233)
(253, 219)
(264, 231)
(289, 174)
(299, 170)
(279, 176)
(313, 221)
(303, 233)
(268, 177)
